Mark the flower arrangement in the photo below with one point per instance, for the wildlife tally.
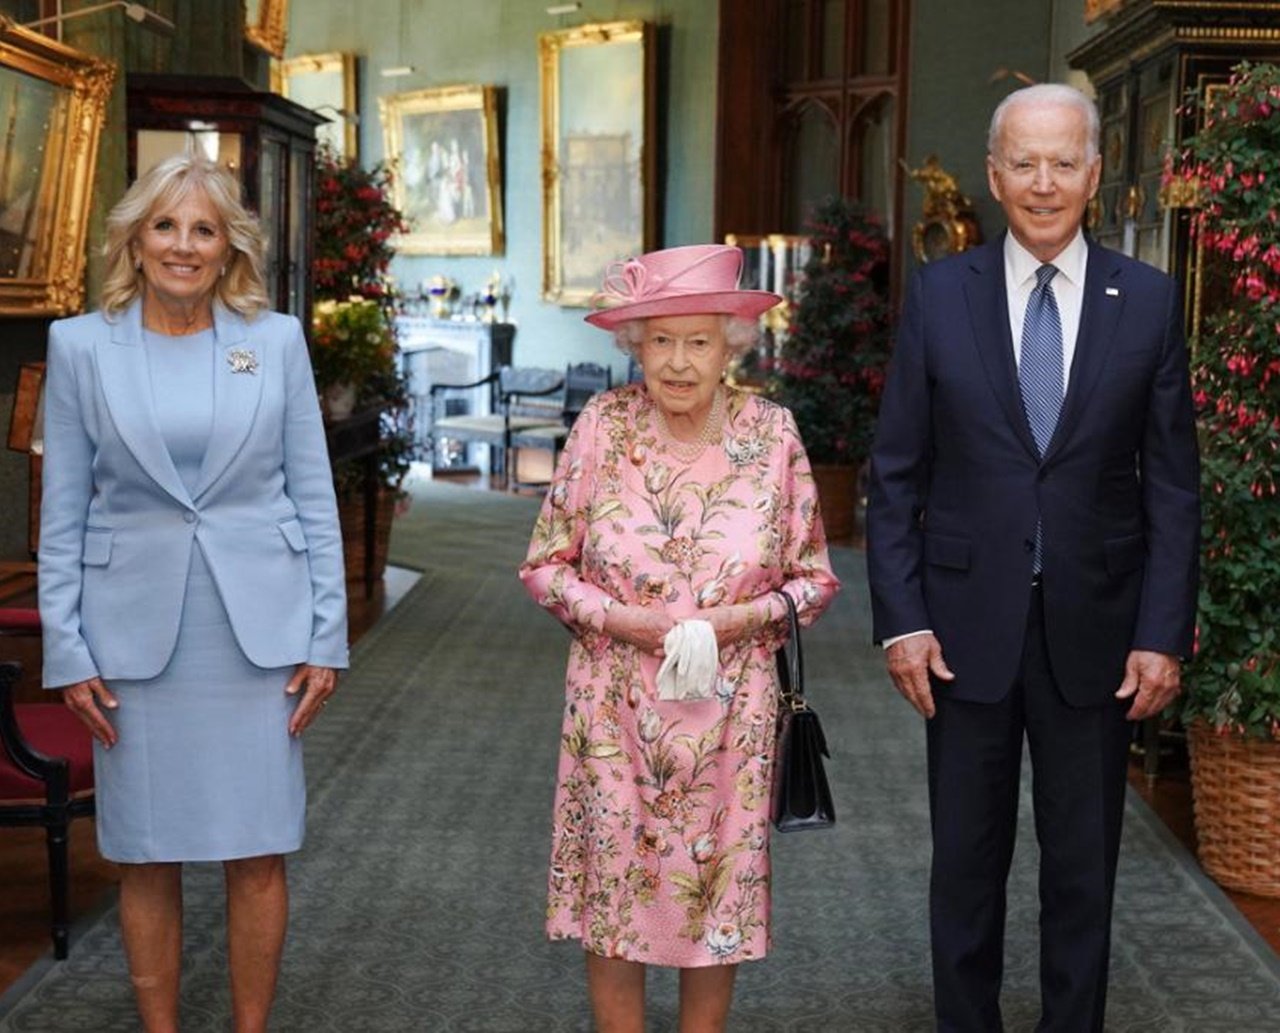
(352, 343)
(353, 330)
(355, 224)
(831, 368)
(1233, 166)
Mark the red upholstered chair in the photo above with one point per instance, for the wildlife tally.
(46, 771)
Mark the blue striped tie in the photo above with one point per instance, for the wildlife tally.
(1040, 369)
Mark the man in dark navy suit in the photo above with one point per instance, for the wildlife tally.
(1032, 543)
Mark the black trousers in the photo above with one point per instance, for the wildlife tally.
(1078, 760)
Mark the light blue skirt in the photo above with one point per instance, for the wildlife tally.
(204, 768)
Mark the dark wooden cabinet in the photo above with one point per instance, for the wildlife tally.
(267, 140)
(1153, 55)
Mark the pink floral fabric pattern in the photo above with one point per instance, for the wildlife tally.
(661, 832)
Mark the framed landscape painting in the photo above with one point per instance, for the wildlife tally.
(597, 154)
(443, 146)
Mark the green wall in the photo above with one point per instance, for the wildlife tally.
(496, 42)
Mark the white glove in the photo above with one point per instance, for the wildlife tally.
(689, 668)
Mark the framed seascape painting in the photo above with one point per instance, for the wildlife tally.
(326, 83)
(597, 154)
(443, 147)
(52, 105)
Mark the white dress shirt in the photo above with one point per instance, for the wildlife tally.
(1020, 267)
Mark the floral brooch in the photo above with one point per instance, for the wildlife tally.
(242, 360)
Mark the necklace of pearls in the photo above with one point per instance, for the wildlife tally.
(711, 433)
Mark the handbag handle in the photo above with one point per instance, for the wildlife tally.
(791, 668)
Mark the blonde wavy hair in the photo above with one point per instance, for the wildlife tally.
(242, 288)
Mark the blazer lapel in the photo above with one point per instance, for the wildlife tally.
(1099, 316)
(237, 386)
(126, 385)
(989, 315)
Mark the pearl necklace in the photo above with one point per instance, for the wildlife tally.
(711, 433)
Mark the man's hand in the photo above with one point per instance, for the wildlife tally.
(1152, 680)
(910, 661)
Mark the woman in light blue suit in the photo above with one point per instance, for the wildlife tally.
(191, 579)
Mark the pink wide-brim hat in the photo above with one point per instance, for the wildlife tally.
(700, 279)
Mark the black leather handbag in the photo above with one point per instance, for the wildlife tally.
(801, 797)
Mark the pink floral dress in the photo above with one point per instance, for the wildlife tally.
(660, 848)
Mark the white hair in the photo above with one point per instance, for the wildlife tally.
(740, 335)
(1047, 94)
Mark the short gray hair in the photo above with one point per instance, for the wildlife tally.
(1046, 94)
(740, 335)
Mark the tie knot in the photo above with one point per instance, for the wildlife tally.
(1045, 273)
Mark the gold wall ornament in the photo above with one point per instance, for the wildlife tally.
(326, 84)
(947, 225)
(1095, 9)
(52, 107)
(266, 25)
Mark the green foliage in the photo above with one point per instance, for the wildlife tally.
(353, 330)
(830, 371)
(1234, 165)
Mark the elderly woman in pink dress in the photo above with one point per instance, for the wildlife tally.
(679, 510)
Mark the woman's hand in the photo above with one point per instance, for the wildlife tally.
(642, 627)
(83, 698)
(316, 684)
(732, 623)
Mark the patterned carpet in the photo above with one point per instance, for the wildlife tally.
(417, 899)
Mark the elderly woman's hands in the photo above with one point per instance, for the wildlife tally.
(320, 683)
(641, 626)
(732, 623)
(83, 698)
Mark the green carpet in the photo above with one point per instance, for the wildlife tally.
(417, 900)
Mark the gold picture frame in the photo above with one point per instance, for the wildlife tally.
(326, 83)
(52, 106)
(443, 147)
(598, 202)
(266, 25)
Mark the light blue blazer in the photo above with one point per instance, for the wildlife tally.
(117, 525)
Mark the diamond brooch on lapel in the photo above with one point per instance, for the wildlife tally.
(242, 360)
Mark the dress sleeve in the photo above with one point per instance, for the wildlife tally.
(806, 566)
(553, 572)
(309, 483)
(64, 508)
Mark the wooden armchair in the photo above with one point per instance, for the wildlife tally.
(46, 773)
(581, 382)
(516, 408)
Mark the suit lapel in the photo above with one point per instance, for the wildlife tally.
(988, 303)
(126, 385)
(237, 386)
(1099, 315)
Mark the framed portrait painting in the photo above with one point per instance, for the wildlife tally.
(52, 106)
(597, 152)
(443, 146)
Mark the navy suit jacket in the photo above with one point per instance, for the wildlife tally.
(118, 525)
(957, 484)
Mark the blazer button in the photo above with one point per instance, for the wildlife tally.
(1029, 545)
(189, 517)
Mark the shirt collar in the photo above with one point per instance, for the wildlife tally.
(1021, 265)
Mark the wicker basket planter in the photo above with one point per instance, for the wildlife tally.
(351, 517)
(1235, 786)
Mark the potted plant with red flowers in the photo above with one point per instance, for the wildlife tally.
(830, 369)
(1231, 706)
(353, 341)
